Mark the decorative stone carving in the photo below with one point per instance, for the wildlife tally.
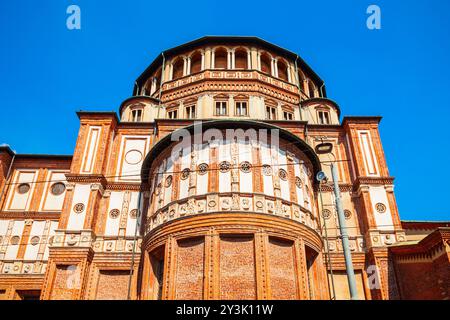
(185, 174)
(246, 166)
(380, 207)
(168, 181)
(224, 166)
(282, 174)
(202, 168)
(267, 170)
(114, 213)
(78, 208)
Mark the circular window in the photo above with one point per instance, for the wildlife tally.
(78, 208)
(282, 174)
(246, 166)
(347, 214)
(133, 214)
(58, 188)
(14, 240)
(326, 214)
(168, 181)
(224, 166)
(202, 168)
(114, 213)
(133, 157)
(298, 182)
(23, 188)
(381, 208)
(185, 173)
(35, 240)
(267, 170)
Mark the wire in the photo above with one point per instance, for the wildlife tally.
(117, 237)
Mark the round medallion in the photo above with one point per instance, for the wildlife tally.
(78, 208)
(34, 240)
(114, 213)
(168, 182)
(202, 168)
(298, 182)
(326, 214)
(133, 157)
(347, 214)
(282, 174)
(246, 166)
(211, 204)
(224, 166)
(185, 174)
(58, 188)
(50, 240)
(23, 188)
(381, 208)
(133, 214)
(158, 189)
(267, 170)
(14, 240)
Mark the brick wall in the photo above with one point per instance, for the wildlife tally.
(189, 278)
(282, 270)
(113, 285)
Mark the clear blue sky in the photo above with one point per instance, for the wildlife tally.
(401, 72)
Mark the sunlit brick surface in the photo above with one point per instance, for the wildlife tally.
(237, 268)
(282, 270)
(189, 281)
(113, 285)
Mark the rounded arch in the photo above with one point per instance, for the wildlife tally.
(241, 58)
(282, 67)
(196, 62)
(311, 88)
(177, 68)
(220, 58)
(265, 62)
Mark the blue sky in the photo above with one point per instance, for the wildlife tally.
(401, 72)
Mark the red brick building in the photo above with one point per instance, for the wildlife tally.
(203, 187)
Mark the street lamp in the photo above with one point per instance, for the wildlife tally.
(325, 148)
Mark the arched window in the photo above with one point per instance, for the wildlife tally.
(265, 63)
(301, 80)
(311, 89)
(178, 67)
(221, 58)
(196, 62)
(282, 70)
(240, 59)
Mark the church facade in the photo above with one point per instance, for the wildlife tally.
(204, 187)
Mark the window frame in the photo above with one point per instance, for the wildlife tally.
(238, 114)
(321, 119)
(135, 118)
(273, 110)
(226, 108)
(188, 111)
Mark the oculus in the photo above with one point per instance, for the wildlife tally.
(185, 174)
(133, 214)
(282, 174)
(224, 166)
(381, 208)
(347, 214)
(202, 168)
(78, 208)
(114, 213)
(298, 182)
(23, 188)
(58, 188)
(133, 157)
(246, 167)
(267, 170)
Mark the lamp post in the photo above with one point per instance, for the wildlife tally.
(325, 148)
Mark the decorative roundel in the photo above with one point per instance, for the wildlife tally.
(267, 170)
(78, 208)
(298, 182)
(202, 168)
(326, 214)
(282, 174)
(133, 157)
(58, 188)
(168, 182)
(50, 240)
(185, 174)
(133, 214)
(224, 166)
(23, 188)
(14, 240)
(114, 213)
(381, 208)
(246, 166)
(35, 240)
(347, 214)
